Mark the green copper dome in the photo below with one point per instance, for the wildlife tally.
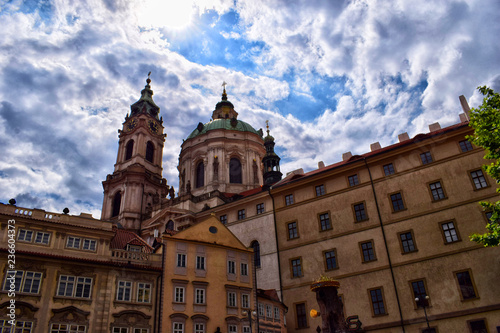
(226, 124)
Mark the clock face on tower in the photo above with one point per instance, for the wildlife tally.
(153, 126)
(131, 125)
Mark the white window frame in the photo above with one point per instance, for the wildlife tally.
(231, 267)
(199, 328)
(25, 235)
(200, 296)
(75, 282)
(180, 294)
(73, 242)
(146, 291)
(21, 278)
(276, 312)
(261, 310)
(269, 311)
(245, 301)
(45, 238)
(244, 269)
(67, 328)
(232, 328)
(200, 262)
(89, 245)
(231, 299)
(124, 289)
(177, 327)
(181, 260)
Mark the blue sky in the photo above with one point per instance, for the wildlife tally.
(330, 76)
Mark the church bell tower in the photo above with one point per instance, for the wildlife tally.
(271, 161)
(136, 184)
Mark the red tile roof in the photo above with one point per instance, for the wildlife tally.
(415, 139)
(123, 237)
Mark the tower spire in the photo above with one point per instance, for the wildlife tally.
(271, 161)
(145, 104)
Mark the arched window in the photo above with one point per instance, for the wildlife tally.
(117, 200)
(150, 151)
(170, 225)
(256, 253)
(235, 171)
(128, 150)
(200, 174)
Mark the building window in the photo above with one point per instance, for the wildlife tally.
(150, 151)
(231, 267)
(73, 242)
(233, 329)
(19, 327)
(292, 230)
(300, 312)
(261, 310)
(179, 294)
(74, 286)
(320, 190)
(330, 260)
(89, 245)
(231, 299)
(467, 290)
(25, 235)
(367, 251)
(353, 180)
(397, 202)
(296, 267)
(143, 292)
(407, 243)
(42, 238)
(129, 149)
(478, 326)
(181, 260)
(360, 212)
(260, 208)
(244, 268)
(437, 191)
(245, 301)
(117, 199)
(276, 313)
(200, 175)
(269, 311)
(256, 253)
(246, 329)
(420, 292)
(450, 233)
(124, 291)
(65, 328)
(465, 146)
(324, 220)
(24, 281)
(377, 300)
(289, 199)
(235, 171)
(200, 296)
(223, 219)
(178, 328)
(199, 328)
(426, 157)
(389, 169)
(200, 262)
(241, 214)
(478, 179)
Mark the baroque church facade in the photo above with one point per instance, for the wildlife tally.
(238, 246)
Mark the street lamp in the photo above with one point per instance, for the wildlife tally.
(249, 314)
(424, 303)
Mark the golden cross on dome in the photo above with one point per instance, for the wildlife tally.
(224, 84)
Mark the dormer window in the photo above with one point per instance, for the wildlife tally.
(134, 248)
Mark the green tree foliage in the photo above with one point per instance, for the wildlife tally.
(485, 120)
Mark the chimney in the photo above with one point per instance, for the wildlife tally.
(321, 165)
(346, 156)
(463, 118)
(375, 146)
(434, 127)
(465, 105)
(403, 137)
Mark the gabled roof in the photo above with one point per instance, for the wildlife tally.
(124, 237)
(210, 231)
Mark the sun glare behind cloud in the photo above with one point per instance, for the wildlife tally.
(173, 14)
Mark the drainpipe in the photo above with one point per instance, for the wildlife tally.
(386, 246)
(159, 307)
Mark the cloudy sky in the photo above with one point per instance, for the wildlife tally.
(330, 76)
